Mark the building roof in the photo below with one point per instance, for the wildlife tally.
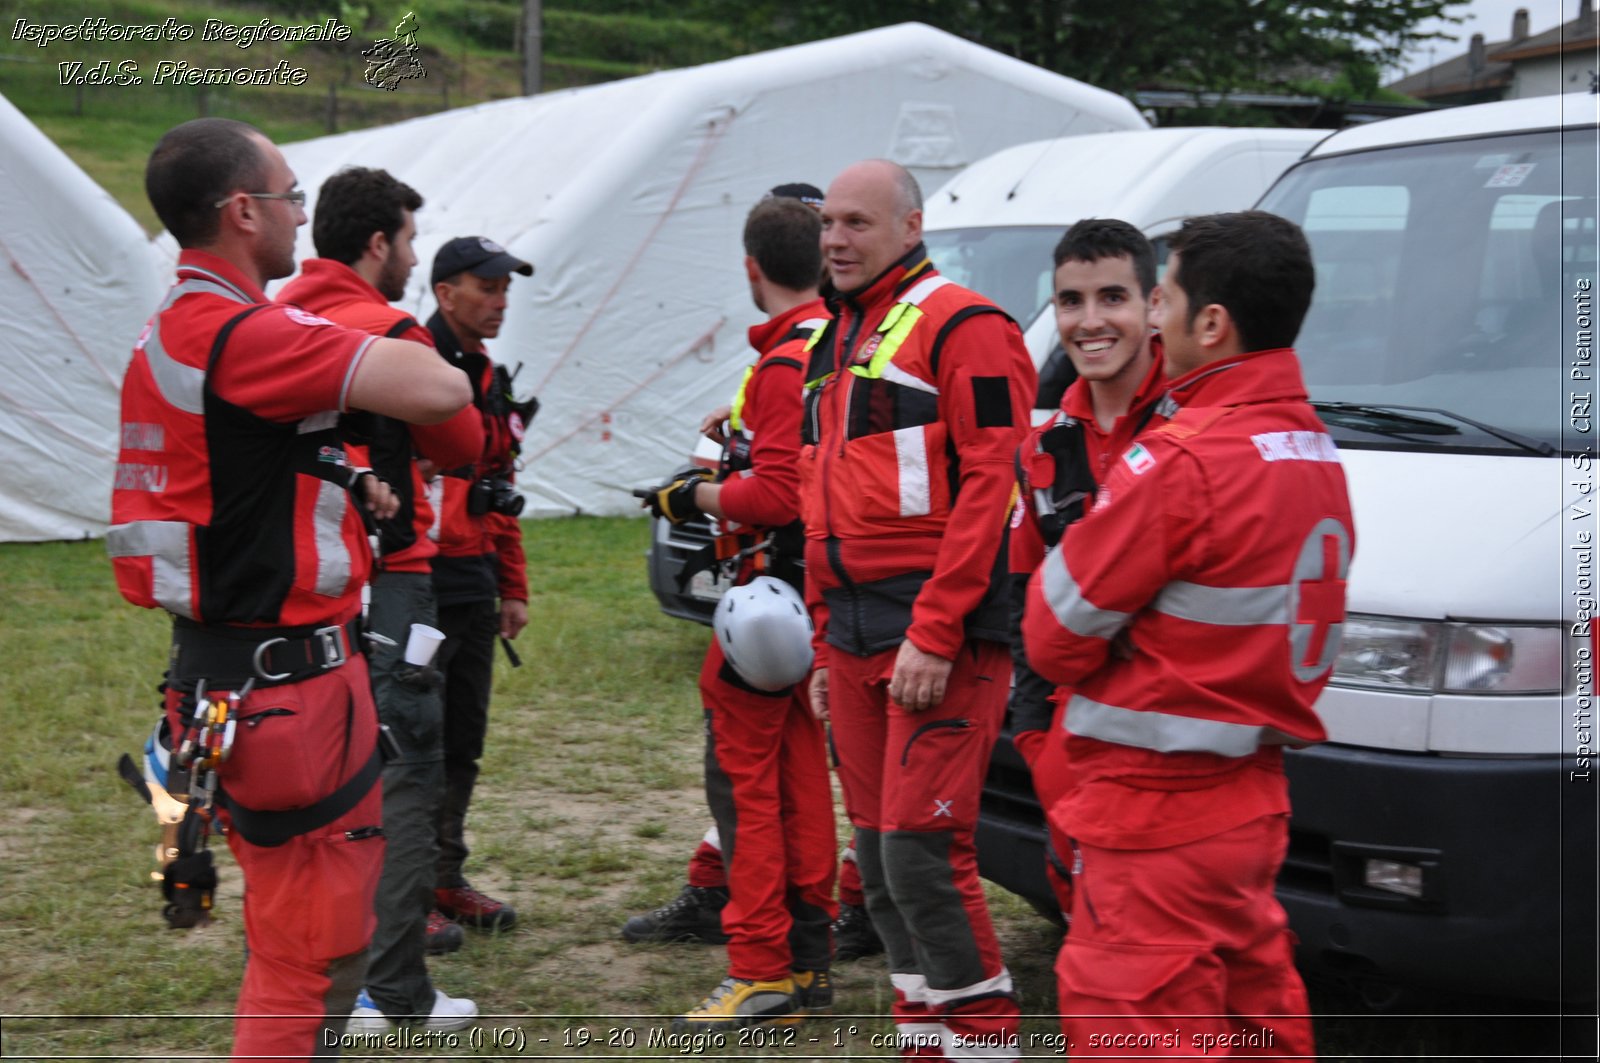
(1457, 75)
(1577, 35)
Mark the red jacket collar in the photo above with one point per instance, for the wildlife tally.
(1255, 376)
(193, 261)
(887, 287)
(765, 336)
(1076, 401)
(324, 284)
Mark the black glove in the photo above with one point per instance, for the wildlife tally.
(675, 500)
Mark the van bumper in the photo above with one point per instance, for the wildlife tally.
(1507, 857)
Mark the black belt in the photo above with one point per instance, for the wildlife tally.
(273, 828)
(226, 657)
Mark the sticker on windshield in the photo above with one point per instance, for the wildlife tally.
(1510, 176)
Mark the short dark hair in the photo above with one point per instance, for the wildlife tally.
(194, 165)
(1256, 265)
(784, 236)
(1092, 239)
(355, 203)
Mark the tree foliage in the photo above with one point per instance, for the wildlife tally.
(1121, 45)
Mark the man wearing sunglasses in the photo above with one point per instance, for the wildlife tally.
(236, 511)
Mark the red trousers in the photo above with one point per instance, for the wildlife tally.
(707, 871)
(1183, 952)
(768, 788)
(911, 785)
(308, 911)
(1046, 755)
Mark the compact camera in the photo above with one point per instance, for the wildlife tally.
(494, 494)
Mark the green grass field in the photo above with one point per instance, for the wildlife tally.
(587, 810)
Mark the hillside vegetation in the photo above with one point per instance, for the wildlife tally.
(467, 48)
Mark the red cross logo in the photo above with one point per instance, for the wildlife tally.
(1317, 598)
(1322, 601)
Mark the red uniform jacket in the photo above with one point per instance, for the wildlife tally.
(1220, 544)
(1033, 698)
(766, 493)
(338, 293)
(231, 502)
(918, 394)
(480, 555)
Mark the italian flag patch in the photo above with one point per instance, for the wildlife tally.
(1138, 459)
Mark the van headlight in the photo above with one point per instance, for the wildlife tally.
(1430, 657)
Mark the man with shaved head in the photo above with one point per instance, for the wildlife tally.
(917, 394)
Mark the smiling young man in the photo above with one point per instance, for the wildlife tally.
(917, 396)
(1196, 612)
(1105, 272)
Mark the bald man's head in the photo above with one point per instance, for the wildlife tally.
(871, 218)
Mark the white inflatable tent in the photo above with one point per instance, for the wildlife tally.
(78, 279)
(629, 199)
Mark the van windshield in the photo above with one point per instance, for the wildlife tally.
(1010, 265)
(1452, 281)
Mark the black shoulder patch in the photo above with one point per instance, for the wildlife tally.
(991, 398)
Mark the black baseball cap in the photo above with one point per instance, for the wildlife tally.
(479, 256)
(810, 195)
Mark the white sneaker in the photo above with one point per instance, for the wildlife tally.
(449, 1013)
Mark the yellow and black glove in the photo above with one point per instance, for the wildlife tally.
(675, 500)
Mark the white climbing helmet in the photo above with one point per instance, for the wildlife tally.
(765, 633)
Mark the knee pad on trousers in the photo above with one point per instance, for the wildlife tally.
(880, 906)
(921, 882)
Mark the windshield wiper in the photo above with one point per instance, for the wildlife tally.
(1398, 420)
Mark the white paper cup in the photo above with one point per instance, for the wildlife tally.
(422, 645)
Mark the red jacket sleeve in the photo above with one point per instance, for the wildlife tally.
(505, 535)
(452, 443)
(986, 387)
(1110, 565)
(769, 494)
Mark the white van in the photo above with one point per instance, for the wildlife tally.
(994, 226)
(1446, 834)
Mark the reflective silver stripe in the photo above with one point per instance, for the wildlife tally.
(1224, 606)
(812, 323)
(436, 503)
(183, 386)
(333, 560)
(166, 544)
(317, 422)
(1072, 610)
(911, 458)
(350, 374)
(895, 375)
(1000, 983)
(914, 987)
(924, 288)
(203, 280)
(1164, 732)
